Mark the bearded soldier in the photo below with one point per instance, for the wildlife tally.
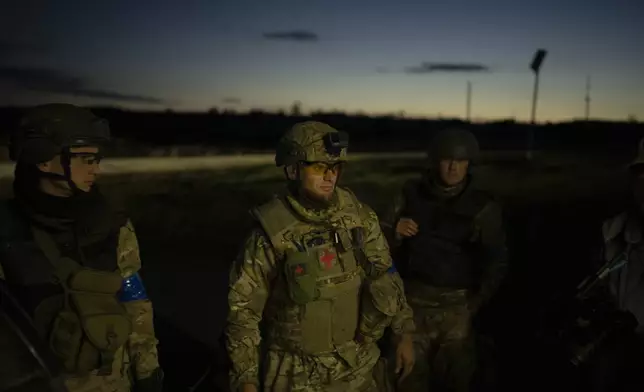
(71, 261)
(301, 272)
(449, 247)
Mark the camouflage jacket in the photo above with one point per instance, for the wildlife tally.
(487, 232)
(264, 284)
(141, 347)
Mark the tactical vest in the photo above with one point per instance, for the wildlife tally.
(313, 307)
(444, 251)
(74, 306)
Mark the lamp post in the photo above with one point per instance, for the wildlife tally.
(539, 56)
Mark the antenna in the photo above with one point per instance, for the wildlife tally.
(587, 98)
(468, 104)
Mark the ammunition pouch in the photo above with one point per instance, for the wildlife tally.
(92, 324)
(301, 276)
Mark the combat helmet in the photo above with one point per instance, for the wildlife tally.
(454, 143)
(311, 141)
(638, 163)
(52, 129)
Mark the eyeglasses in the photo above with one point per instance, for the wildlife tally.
(87, 159)
(321, 168)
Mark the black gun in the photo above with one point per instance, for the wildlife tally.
(27, 362)
(578, 323)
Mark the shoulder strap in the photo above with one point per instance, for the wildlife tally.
(352, 205)
(63, 266)
(274, 217)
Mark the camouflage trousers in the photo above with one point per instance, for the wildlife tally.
(349, 372)
(443, 342)
(118, 381)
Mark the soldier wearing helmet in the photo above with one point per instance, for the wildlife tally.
(301, 272)
(70, 260)
(449, 246)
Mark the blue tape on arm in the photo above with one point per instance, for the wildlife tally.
(392, 269)
(133, 289)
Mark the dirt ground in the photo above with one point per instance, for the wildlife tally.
(191, 224)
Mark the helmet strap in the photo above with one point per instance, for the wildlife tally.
(66, 161)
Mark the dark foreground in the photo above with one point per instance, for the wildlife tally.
(190, 228)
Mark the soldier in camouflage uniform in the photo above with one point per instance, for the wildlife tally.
(301, 273)
(449, 246)
(71, 261)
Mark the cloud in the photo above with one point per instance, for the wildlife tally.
(53, 81)
(383, 70)
(232, 100)
(427, 67)
(293, 35)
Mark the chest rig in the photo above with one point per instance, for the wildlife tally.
(443, 252)
(74, 305)
(314, 305)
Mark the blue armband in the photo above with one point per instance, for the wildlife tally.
(133, 289)
(392, 269)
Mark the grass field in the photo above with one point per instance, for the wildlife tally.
(191, 224)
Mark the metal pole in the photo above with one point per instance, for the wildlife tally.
(587, 98)
(535, 95)
(533, 116)
(468, 104)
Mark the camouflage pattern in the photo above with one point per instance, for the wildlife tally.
(457, 144)
(259, 291)
(384, 305)
(118, 381)
(137, 360)
(305, 141)
(443, 343)
(46, 130)
(287, 371)
(142, 345)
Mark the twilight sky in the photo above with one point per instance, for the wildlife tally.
(376, 56)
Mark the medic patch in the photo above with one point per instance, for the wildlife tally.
(299, 270)
(327, 259)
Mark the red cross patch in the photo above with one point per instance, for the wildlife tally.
(327, 258)
(299, 270)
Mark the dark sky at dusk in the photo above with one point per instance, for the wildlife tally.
(348, 55)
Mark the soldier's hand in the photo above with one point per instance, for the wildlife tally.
(248, 388)
(406, 227)
(405, 357)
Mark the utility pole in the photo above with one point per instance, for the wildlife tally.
(468, 104)
(536, 67)
(535, 96)
(587, 98)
